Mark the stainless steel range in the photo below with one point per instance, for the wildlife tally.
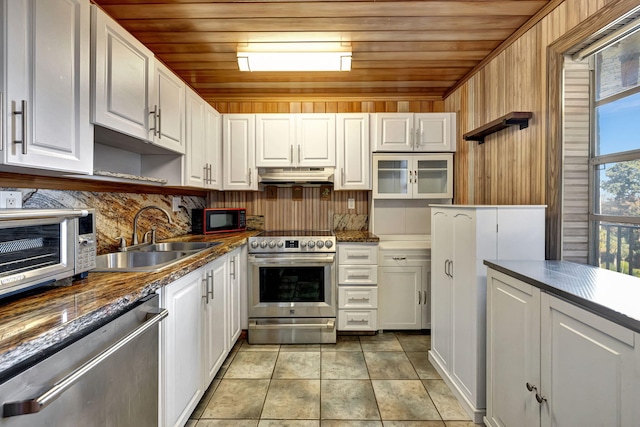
(292, 287)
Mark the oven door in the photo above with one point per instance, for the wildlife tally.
(292, 285)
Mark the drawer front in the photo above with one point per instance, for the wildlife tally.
(403, 258)
(357, 320)
(357, 275)
(358, 297)
(357, 254)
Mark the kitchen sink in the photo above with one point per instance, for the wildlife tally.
(178, 246)
(139, 260)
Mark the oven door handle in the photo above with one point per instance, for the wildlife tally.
(262, 260)
(330, 324)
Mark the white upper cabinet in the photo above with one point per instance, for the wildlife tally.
(295, 140)
(168, 113)
(353, 159)
(202, 167)
(238, 143)
(422, 132)
(45, 101)
(123, 84)
(316, 134)
(275, 140)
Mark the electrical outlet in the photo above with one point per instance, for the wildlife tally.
(176, 201)
(10, 200)
(351, 203)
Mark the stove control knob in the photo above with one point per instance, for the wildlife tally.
(311, 244)
(328, 244)
(263, 244)
(254, 244)
(303, 244)
(280, 244)
(320, 244)
(272, 244)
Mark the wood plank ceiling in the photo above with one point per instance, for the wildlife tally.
(416, 49)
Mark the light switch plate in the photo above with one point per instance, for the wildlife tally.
(351, 203)
(175, 202)
(10, 200)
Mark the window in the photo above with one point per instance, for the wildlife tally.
(615, 157)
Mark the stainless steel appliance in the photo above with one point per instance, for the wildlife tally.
(292, 287)
(41, 246)
(218, 220)
(106, 378)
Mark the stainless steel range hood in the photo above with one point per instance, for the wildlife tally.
(295, 176)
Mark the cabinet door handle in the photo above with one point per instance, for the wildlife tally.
(540, 398)
(342, 175)
(250, 177)
(159, 123)
(446, 267)
(205, 173)
(210, 172)
(205, 280)
(424, 294)
(418, 137)
(291, 149)
(419, 297)
(451, 268)
(210, 281)
(233, 268)
(155, 120)
(410, 177)
(23, 115)
(299, 154)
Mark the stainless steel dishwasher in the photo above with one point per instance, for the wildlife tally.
(106, 378)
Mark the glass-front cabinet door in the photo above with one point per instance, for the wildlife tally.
(433, 177)
(407, 176)
(391, 177)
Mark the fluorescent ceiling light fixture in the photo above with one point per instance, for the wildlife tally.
(294, 57)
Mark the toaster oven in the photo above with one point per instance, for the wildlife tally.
(45, 246)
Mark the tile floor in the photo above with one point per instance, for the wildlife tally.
(367, 381)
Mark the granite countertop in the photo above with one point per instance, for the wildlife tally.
(344, 236)
(611, 295)
(32, 323)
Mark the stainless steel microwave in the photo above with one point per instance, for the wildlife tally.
(218, 220)
(44, 246)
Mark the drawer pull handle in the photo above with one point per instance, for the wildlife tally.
(359, 299)
(359, 276)
(366, 255)
(399, 258)
(358, 320)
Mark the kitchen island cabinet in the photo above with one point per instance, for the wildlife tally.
(562, 346)
(46, 102)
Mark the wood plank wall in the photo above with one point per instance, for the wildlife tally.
(575, 162)
(399, 106)
(311, 212)
(510, 167)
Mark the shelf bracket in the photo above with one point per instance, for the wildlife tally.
(515, 118)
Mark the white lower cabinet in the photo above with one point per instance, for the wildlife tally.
(196, 337)
(552, 363)
(403, 288)
(357, 287)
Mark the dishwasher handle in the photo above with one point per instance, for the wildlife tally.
(31, 406)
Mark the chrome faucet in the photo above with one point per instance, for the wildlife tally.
(134, 241)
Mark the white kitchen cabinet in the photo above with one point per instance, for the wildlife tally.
(234, 302)
(182, 381)
(202, 327)
(403, 288)
(424, 132)
(202, 167)
(215, 317)
(580, 368)
(238, 149)
(168, 113)
(123, 79)
(353, 158)
(462, 237)
(409, 176)
(295, 140)
(357, 287)
(46, 100)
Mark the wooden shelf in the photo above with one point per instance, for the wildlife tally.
(515, 118)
